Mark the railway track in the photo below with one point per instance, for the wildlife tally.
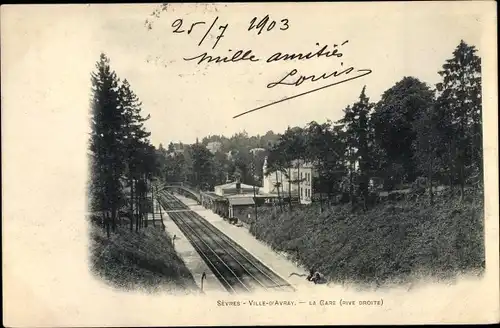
(236, 269)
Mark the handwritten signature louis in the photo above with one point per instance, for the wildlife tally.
(345, 75)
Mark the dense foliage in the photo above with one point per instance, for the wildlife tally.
(121, 155)
(414, 137)
(238, 157)
(144, 260)
(390, 243)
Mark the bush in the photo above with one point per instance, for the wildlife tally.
(390, 242)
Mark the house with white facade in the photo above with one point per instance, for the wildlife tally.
(214, 146)
(297, 178)
(255, 151)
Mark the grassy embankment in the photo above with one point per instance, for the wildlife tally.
(141, 261)
(390, 243)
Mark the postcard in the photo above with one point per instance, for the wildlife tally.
(193, 164)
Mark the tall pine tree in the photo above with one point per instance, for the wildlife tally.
(135, 143)
(459, 98)
(356, 124)
(105, 143)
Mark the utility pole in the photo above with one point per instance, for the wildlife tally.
(254, 193)
(203, 277)
(159, 207)
(153, 203)
(145, 215)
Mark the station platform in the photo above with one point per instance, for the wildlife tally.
(192, 259)
(289, 271)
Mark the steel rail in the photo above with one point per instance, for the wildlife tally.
(210, 264)
(230, 247)
(236, 247)
(203, 254)
(225, 246)
(192, 232)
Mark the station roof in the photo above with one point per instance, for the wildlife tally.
(232, 185)
(213, 195)
(241, 201)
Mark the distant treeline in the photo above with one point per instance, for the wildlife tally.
(229, 159)
(416, 136)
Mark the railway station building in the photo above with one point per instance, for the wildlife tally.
(216, 203)
(233, 199)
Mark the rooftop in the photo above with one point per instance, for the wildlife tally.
(235, 200)
(232, 185)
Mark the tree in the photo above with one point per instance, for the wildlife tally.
(356, 125)
(241, 164)
(428, 145)
(135, 143)
(149, 167)
(161, 158)
(276, 163)
(106, 142)
(349, 128)
(297, 148)
(335, 166)
(259, 159)
(220, 167)
(392, 121)
(317, 150)
(284, 155)
(171, 148)
(459, 98)
(202, 167)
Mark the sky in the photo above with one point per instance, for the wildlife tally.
(187, 100)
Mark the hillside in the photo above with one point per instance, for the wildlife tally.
(145, 260)
(389, 243)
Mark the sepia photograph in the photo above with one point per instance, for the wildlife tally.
(295, 162)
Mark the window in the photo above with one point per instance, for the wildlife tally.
(301, 192)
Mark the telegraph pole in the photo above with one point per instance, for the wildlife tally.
(153, 203)
(159, 207)
(254, 193)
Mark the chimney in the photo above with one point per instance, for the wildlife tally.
(238, 187)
